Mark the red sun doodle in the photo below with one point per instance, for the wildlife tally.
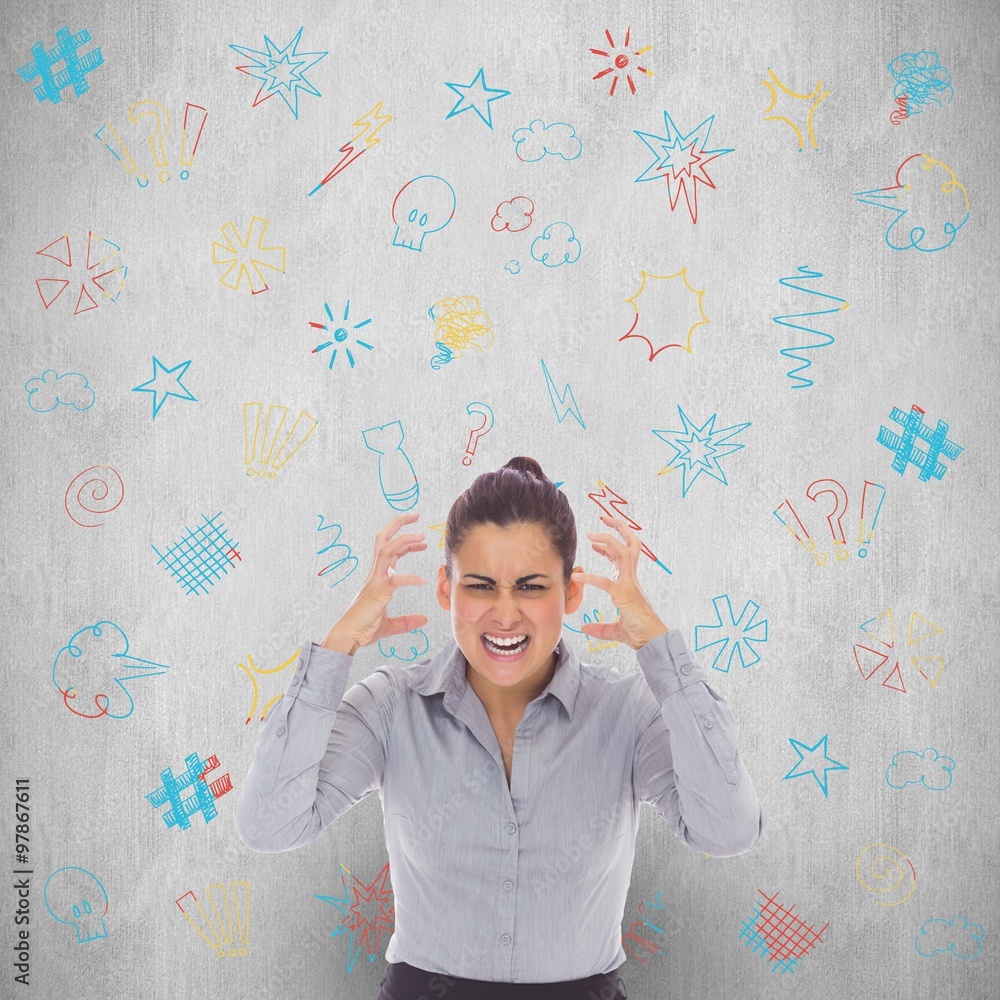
(104, 276)
(621, 61)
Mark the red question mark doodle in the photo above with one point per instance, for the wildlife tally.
(815, 490)
(477, 432)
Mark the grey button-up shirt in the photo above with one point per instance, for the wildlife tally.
(525, 884)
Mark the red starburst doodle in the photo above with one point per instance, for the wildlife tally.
(621, 63)
(106, 284)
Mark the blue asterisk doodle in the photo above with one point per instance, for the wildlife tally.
(699, 449)
(282, 71)
(820, 767)
(162, 389)
(474, 99)
(731, 649)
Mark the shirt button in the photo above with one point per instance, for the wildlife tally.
(686, 669)
(511, 828)
(708, 723)
(281, 730)
(508, 884)
(505, 939)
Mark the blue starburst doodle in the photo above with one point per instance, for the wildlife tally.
(698, 449)
(730, 650)
(281, 71)
(471, 100)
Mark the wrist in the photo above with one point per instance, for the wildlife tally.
(340, 641)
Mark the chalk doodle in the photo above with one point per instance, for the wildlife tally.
(817, 765)
(512, 267)
(922, 78)
(165, 383)
(199, 559)
(883, 867)
(339, 546)
(538, 140)
(459, 323)
(927, 769)
(477, 433)
(901, 111)
(340, 334)
(77, 898)
(698, 449)
(202, 797)
(253, 672)
(558, 399)
(50, 389)
(681, 160)
(406, 647)
(827, 339)
(280, 71)
(74, 71)
(958, 936)
(735, 637)
(620, 63)
(423, 205)
(634, 301)
(904, 444)
(94, 495)
(396, 477)
(630, 935)
(513, 216)
(373, 120)
(368, 913)
(594, 617)
(869, 659)
(471, 95)
(93, 669)
(106, 284)
(261, 446)
(779, 935)
(795, 108)
(245, 259)
(192, 126)
(556, 246)
(612, 507)
(932, 199)
(226, 930)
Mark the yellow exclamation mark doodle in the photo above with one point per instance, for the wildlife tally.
(260, 445)
(218, 930)
(866, 503)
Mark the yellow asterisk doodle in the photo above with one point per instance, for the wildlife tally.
(245, 257)
(794, 110)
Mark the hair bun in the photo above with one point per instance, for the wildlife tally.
(528, 465)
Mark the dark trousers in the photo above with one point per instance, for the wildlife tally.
(404, 982)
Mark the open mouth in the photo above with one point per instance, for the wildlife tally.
(505, 653)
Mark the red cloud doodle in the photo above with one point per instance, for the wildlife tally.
(513, 215)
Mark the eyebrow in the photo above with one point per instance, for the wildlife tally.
(520, 579)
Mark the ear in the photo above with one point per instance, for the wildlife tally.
(443, 592)
(574, 593)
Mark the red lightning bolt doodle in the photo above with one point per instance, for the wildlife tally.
(616, 503)
(366, 121)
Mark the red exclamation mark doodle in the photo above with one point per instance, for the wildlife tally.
(193, 125)
(867, 501)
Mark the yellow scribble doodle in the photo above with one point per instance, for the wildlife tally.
(460, 323)
(894, 876)
(815, 96)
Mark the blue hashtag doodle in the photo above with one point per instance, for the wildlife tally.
(200, 800)
(74, 73)
(904, 445)
(199, 558)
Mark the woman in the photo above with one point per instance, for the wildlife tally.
(510, 773)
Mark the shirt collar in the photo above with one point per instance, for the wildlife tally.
(445, 673)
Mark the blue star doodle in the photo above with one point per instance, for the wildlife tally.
(739, 648)
(161, 389)
(905, 445)
(472, 102)
(834, 765)
(699, 453)
(676, 159)
(282, 71)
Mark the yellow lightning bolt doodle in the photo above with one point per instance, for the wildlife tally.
(774, 84)
(373, 119)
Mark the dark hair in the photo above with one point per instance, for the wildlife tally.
(517, 493)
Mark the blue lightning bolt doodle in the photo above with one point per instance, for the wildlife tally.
(821, 765)
(700, 453)
(361, 928)
(197, 560)
(789, 352)
(160, 386)
(200, 800)
(558, 400)
(904, 445)
(73, 74)
(473, 99)
(282, 70)
(740, 648)
(340, 334)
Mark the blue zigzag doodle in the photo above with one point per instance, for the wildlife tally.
(739, 648)
(342, 547)
(559, 403)
(789, 352)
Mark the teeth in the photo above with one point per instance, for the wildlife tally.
(508, 641)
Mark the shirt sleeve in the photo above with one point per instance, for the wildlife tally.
(686, 764)
(319, 751)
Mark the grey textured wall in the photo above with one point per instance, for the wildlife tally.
(892, 857)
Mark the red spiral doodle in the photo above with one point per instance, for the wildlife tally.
(94, 495)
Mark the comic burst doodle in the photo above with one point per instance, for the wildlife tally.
(789, 352)
(732, 648)
(698, 449)
(199, 558)
(922, 79)
(192, 126)
(253, 671)
(396, 477)
(368, 913)
(470, 96)
(681, 160)
(611, 503)
(74, 71)
(869, 659)
(261, 445)
(778, 935)
(818, 765)
(228, 904)
(94, 495)
(280, 71)
(163, 387)
(884, 866)
(558, 399)
(939, 935)
(108, 281)
(373, 120)
(620, 61)
(340, 334)
(202, 797)
(904, 444)
(633, 300)
(816, 95)
(77, 898)
(460, 324)
(246, 259)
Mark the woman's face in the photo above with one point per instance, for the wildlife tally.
(487, 594)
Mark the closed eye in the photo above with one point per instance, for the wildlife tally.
(476, 585)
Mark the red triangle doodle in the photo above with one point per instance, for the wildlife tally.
(61, 282)
(900, 686)
(91, 237)
(97, 280)
(880, 658)
(84, 292)
(67, 259)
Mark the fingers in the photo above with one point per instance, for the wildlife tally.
(393, 526)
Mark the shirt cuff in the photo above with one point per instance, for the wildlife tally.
(667, 665)
(321, 676)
